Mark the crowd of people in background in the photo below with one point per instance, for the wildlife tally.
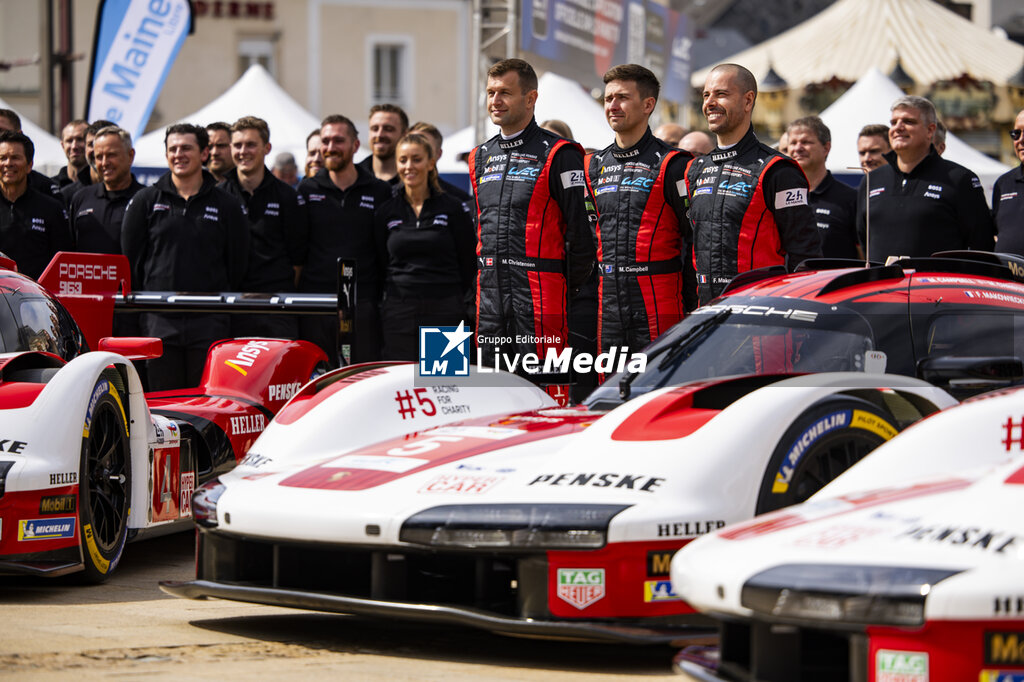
(553, 246)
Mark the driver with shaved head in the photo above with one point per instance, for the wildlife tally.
(748, 202)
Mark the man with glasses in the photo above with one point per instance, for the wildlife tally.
(1008, 198)
(921, 203)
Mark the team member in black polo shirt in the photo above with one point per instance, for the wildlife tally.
(9, 120)
(89, 175)
(834, 204)
(1008, 198)
(427, 247)
(277, 227)
(97, 211)
(72, 141)
(184, 234)
(33, 226)
(340, 200)
(921, 203)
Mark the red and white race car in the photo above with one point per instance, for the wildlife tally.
(371, 493)
(908, 567)
(87, 461)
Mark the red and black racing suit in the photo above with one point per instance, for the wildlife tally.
(531, 207)
(748, 208)
(643, 241)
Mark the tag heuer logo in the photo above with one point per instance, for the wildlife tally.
(581, 587)
(901, 666)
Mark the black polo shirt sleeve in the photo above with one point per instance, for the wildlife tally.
(135, 233)
(568, 186)
(974, 217)
(236, 231)
(785, 194)
(464, 234)
(296, 226)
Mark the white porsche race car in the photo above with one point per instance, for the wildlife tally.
(919, 581)
(372, 493)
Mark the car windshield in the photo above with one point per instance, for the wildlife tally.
(759, 336)
(32, 321)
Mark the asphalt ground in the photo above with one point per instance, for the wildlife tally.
(127, 629)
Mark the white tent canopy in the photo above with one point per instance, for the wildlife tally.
(851, 36)
(868, 101)
(557, 97)
(49, 157)
(256, 93)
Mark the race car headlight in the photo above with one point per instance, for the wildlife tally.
(868, 595)
(204, 503)
(512, 526)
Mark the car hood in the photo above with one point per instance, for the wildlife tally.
(966, 526)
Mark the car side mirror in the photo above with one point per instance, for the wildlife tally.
(133, 347)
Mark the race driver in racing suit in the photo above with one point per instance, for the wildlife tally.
(643, 236)
(534, 240)
(748, 202)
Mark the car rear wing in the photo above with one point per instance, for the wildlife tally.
(92, 285)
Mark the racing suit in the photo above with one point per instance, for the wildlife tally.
(748, 208)
(534, 238)
(643, 240)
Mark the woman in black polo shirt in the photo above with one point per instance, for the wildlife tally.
(427, 245)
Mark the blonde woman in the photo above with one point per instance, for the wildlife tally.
(427, 246)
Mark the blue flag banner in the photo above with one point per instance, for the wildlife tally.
(136, 44)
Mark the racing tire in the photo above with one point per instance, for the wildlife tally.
(104, 487)
(827, 439)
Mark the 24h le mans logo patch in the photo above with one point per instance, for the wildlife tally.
(581, 587)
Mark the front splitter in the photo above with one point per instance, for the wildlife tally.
(589, 631)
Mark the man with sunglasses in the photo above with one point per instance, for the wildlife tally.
(1008, 198)
(921, 203)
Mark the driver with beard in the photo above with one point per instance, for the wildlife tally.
(341, 199)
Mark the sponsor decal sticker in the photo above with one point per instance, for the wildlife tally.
(68, 478)
(461, 484)
(581, 587)
(646, 484)
(573, 178)
(46, 529)
(247, 356)
(58, 504)
(12, 446)
(684, 529)
(188, 486)
(250, 423)
(1000, 676)
(791, 197)
(659, 590)
(659, 562)
(901, 666)
(1004, 647)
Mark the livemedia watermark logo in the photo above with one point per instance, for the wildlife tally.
(445, 352)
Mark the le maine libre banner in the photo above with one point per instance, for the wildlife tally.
(136, 44)
(588, 37)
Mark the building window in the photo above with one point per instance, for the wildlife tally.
(257, 51)
(389, 76)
